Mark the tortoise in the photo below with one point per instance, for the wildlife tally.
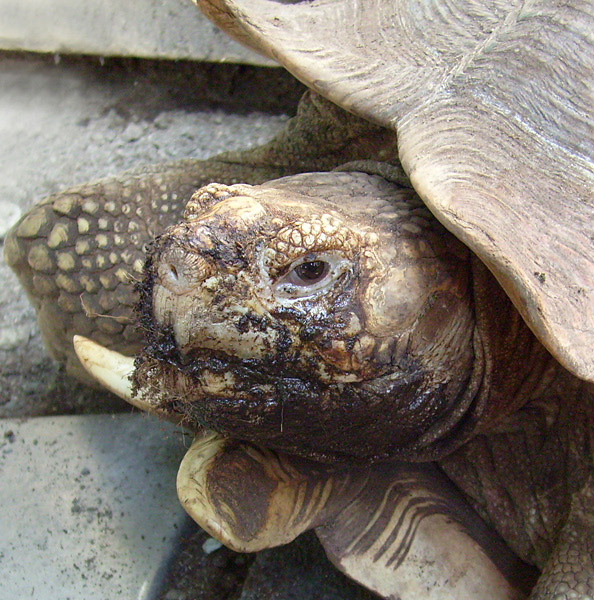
(416, 386)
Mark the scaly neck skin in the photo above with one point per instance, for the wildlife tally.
(517, 367)
(531, 448)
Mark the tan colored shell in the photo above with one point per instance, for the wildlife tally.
(493, 106)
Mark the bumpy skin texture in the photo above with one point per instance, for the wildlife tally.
(528, 467)
(492, 102)
(560, 579)
(260, 350)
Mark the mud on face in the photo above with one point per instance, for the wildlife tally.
(260, 311)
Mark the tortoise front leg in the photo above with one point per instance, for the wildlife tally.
(409, 534)
(400, 530)
(569, 572)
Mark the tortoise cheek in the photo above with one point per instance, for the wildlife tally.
(441, 340)
(355, 358)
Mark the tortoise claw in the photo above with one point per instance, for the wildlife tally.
(251, 498)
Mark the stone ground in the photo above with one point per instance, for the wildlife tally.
(64, 120)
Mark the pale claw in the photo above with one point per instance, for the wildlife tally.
(113, 371)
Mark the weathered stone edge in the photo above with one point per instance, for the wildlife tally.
(167, 29)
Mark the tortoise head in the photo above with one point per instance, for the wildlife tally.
(325, 315)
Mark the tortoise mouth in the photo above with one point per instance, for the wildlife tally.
(242, 399)
(389, 418)
(276, 414)
(187, 384)
(201, 364)
(325, 424)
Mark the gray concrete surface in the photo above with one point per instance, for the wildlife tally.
(145, 28)
(89, 508)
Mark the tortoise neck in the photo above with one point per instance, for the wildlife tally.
(510, 367)
(516, 366)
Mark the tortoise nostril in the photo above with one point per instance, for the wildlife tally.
(174, 277)
(181, 272)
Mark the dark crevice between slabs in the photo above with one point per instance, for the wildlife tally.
(162, 85)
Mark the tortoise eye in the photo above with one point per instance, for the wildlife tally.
(308, 273)
(312, 275)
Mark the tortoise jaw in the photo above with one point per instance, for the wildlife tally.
(238, 404)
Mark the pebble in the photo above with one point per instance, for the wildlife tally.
(133, 132)
(9, 215)
(211, 545)
(163, 120)
(174, 595)
(12, 337)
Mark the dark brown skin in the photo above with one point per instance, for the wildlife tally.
(525, 470)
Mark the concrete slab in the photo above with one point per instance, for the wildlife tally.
(144, 28)
(89, 508)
